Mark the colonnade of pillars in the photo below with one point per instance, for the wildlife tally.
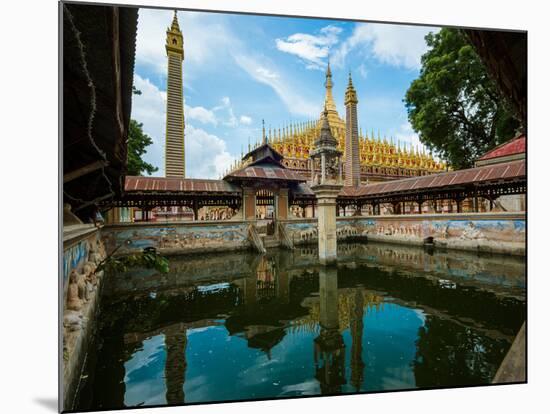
(461, 205)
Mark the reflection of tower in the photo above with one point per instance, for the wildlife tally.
(329, 348)
(175, 339)
(356, 328)
(174, 157)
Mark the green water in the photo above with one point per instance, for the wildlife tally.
(240, 326)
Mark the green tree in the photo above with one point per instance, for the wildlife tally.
(454, 105)
(138, 141)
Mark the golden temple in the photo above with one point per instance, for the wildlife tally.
(380, 159)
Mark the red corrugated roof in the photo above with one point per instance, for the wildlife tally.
(514, 146)
(485, 174)
(504, 171)
(190, 185)
(267, 172)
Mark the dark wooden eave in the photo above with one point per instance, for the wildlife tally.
(98, 49)
(504, 54)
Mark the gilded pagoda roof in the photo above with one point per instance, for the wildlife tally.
(296, 140)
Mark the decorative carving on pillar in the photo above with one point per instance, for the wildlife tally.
(326, 187)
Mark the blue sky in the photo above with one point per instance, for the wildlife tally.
(240, 69)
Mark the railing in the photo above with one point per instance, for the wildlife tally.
(284, 238)
(254, 239)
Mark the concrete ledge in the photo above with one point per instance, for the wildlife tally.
(76, 343)
(514, 366)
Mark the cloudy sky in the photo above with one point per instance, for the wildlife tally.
(240, 69)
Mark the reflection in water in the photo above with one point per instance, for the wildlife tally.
(241, 326)
(329, 345)
(356, 327)
(174, 369)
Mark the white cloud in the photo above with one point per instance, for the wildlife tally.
(363, 70)
(205, 36)
(226, 106)
(200, 114)
(295, 103)
(206, 154)
(392, 44)
(245, 120)
(312, 49)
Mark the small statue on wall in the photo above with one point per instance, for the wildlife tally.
(73, 300)
(97, 253)
(89, 271)
(83, 291)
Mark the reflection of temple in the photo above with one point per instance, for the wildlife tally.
(268, 297)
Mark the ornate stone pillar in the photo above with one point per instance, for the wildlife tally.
(326, 222)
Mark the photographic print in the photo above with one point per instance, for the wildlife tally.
(262, 207)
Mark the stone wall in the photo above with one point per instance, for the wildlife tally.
(82, 251)
(177, 237)
(490, 232)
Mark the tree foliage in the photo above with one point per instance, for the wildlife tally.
(454, 105)
(138, 141)
(148, 259)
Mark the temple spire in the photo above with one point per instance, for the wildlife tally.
(330, 106)
(264, 138)
(174, 156)
(175, 24)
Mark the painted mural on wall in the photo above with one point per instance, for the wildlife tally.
(512, 231)
(302, 232)
(447, 231)
(185, 237)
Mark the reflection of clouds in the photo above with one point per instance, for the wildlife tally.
(258, 372)
(198, 388)
(197, 330)
(143, 371)
(303, 388)
(398, 378)
(421, 315)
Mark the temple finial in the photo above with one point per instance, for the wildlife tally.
(175, 24)
(264, 138)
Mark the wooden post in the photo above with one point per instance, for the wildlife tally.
(195, 210)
